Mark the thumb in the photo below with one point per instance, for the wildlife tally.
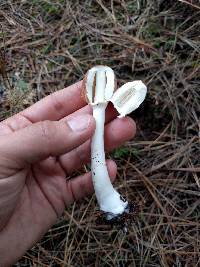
(46, 138)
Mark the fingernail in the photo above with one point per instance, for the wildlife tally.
(80, 123)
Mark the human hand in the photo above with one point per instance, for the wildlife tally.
(39, 148)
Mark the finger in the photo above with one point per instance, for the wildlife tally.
(48, 138)
(111, 113)
(82, 186)
(21, 120)
(55, 106)
(117, 132)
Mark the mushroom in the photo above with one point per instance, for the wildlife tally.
(129, 97)
(99, 89)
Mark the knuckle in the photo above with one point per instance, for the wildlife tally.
(71, 193)
(47, 130)
(57, 104)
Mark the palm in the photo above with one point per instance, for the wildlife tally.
(42, 197)
(49, 181)
(42, 194)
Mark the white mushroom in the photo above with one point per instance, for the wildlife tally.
(99, 86)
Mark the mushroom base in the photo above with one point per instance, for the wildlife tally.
(121, 221)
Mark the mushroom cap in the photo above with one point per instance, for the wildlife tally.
(98, 85)
(129, 97)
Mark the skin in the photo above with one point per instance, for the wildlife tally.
(39, 148)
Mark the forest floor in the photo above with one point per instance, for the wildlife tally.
(47, 45)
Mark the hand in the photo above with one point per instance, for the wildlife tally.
(39, 148)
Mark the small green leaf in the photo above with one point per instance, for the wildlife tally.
(22, 85)
(121, 152)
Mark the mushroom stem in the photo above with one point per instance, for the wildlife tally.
(108, 198)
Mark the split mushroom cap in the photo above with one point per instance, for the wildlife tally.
(99, 84)
(129, 97)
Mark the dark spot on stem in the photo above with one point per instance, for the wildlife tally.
(122, 199)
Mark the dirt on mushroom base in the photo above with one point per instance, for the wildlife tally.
(153, 41)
